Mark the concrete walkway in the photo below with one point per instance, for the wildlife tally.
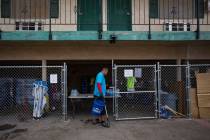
(52, 129)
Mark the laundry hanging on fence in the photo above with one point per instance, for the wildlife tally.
(131, 83)
(40, 94)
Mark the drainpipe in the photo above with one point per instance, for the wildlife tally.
(198, 21)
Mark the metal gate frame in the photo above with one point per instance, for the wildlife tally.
(115, 101)
(65, 92)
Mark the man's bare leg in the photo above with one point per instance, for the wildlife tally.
(104, 118)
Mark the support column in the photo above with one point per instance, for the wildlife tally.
(180, 88)
(179, 70)
(44, 70)
(104, 9)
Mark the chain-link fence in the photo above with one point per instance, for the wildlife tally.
(182, 91)
(141, 91)
(17, 97)
(135, 92)
(173, 90)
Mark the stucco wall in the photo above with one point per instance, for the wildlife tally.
(91, 50)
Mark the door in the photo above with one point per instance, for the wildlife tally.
(135, 92)
(119, 15)
(88, 15)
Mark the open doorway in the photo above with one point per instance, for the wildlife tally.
(81, 79)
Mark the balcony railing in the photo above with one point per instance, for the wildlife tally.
(105, 15)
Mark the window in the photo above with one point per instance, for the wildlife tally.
(28, 26)
(29, 9)
(177, 27)
(5, 8)
(174, 9)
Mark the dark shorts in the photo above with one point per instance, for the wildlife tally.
(100, 98)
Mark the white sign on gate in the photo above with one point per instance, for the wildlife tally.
(128, 73)
(53, 78)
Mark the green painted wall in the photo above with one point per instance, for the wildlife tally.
(93, 35)
(25, 35)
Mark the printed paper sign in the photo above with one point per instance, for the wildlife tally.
(128, 73)
(53, 78)
(138, 72)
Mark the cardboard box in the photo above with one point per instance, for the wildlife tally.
(204, 112)
(179, 89)
(193, 96)
(203, 83)
(195, 112)
(194, 103)
(203, 100)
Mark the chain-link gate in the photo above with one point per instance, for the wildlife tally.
(135, 92)
(173, 89)
(16, 88)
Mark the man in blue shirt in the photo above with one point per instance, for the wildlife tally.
(100, 90)
(100, 83)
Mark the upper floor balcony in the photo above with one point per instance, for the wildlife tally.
(105, 19)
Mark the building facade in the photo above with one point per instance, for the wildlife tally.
(104, 29)
(104, 32)
(90, 34)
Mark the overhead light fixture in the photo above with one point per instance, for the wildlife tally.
(113, 38)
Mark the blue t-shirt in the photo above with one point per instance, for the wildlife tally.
(100, 79)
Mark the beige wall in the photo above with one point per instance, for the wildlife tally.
(139, 17)
(91, 50)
